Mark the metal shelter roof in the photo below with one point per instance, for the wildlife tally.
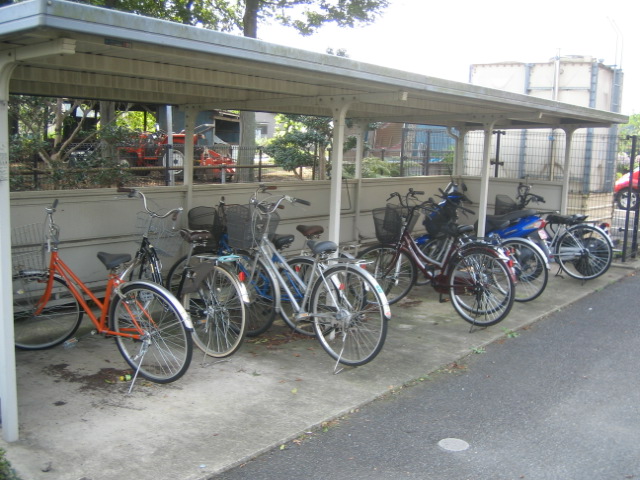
(90, 52)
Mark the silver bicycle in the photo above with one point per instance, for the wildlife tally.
(343, 302)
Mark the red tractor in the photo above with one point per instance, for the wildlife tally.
(150, 150)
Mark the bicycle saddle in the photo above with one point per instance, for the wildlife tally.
(281, 241)
(112, 260)
(195, 236)
(325, 246)
(310, 230)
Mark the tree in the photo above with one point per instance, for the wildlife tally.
(305, 16)
(303, 141)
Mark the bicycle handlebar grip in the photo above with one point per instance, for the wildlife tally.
(417, 192)
(303, 202)
(55, 204)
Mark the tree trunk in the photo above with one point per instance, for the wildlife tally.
(247, 151)
(107, 116)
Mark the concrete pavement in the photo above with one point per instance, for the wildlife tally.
(78, 422)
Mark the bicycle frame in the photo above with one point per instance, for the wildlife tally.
(78, 289)
(270, 256)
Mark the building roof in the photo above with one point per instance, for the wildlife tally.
(80, 51)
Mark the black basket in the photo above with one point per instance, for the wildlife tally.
(504, 204)
(245, 226)
(388, 222)
(201, 218)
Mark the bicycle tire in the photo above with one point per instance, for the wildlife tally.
(164, 352)
(57, 321)
(584, 252)
(172, 282)
(356, 329)
(217, 313)
(531, 269)
(303, 267)
(481, 286)
(394, 270)
(434, 249)
(260, 285)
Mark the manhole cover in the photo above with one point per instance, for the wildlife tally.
(453, 444)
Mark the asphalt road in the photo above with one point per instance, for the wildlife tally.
(559, 401)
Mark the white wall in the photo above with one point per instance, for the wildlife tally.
(103, 220)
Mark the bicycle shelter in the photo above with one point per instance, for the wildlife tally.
(64, 49)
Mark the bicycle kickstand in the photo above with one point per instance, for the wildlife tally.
(141, 354)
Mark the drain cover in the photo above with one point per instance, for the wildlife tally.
(453, 444)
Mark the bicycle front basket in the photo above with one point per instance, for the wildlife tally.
(245, 226)
(388, 223)
(504, 204)
(27, 248)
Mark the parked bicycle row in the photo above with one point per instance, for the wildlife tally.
(235, 280)
(520, 244)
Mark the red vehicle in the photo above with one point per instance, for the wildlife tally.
(149, 149)
(623, 194)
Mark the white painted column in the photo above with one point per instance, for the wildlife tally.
(358, 178)
(484, 181)
(8, 387)
(335, 204)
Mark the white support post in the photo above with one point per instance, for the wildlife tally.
(484, 182)
(8, 386)
(335, 204)
(564, 201)
(168, 154)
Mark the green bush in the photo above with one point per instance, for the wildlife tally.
(6, 472)
(374, 167)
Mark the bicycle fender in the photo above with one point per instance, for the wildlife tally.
(170, 297)
(198, 273)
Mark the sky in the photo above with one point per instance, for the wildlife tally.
(444, 38)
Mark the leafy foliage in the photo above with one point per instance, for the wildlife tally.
(306, 16)
(6, 472)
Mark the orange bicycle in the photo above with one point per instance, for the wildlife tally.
(151, 328)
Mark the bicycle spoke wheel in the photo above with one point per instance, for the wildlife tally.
(172, 282)
(260, 285)
(584, 252)
(303, 267)
(162, 352)
(481, 287)
(531, 269)
(217, 312)
(39, 326)
(393, 269)
(350, 315)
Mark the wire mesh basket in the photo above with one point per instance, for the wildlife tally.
(245, 226)
(161, 232)
(388, 222)
(27, 248)
(504, 204)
